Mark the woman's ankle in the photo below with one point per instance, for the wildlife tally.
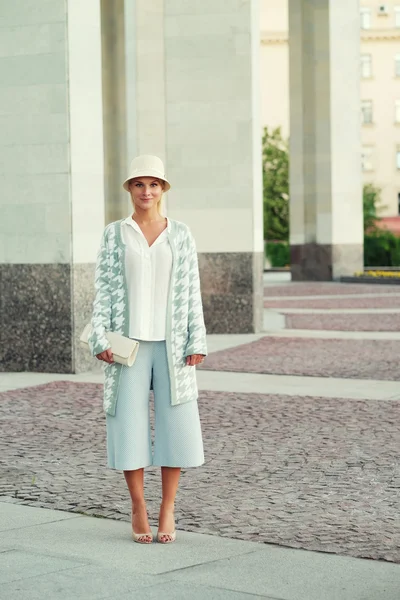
(167, 505)
(138, 505)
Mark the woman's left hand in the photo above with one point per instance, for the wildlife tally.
(194, 359)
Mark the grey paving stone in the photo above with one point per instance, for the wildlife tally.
(82, 583)
(14, 518)
(173, 590)
(18, 564)
(109, 542)
(289, 575)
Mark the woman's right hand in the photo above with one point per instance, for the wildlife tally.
(107, 356)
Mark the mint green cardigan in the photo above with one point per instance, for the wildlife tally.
(185, 329)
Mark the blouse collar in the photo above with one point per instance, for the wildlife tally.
(132, 223)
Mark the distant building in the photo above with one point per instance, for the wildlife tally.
(380, 88)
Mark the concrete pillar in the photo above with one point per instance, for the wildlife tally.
(114, 106)
(326, 218)
(145, 82)
(52, 180)
(197, 107)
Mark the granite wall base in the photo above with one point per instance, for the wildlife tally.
(43, 309)
(35, 318)
(232, 291)
(325, 262)
(83, 296)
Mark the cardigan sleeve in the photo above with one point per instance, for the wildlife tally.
(101, 315)
(197, 331)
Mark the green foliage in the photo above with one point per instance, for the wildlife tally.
(381, 249)
(371, 206)
(381, 246)
(275, 159)
(278, 253)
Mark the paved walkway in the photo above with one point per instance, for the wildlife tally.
(333, 307)
(313, 357)
(296, 471)
(305, 462)
(55, 555)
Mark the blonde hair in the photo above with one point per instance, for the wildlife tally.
(160, 204)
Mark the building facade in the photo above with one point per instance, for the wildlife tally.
(379, 85)
(86, 86)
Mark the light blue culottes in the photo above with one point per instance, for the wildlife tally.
(177, 431)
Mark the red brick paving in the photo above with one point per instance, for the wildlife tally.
(384, 298)
(335, 322)
(381, 301)
(354, 359)
(323, 288)
(314, 473)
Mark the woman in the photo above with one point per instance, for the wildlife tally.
(148, 288)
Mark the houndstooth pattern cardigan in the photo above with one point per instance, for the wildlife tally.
(185, 329)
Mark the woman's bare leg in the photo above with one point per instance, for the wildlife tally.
(135, 482)
(169, 480)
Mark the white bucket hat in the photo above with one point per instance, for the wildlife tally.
(147, 165)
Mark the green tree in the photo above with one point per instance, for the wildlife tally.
(275, 159)
(372, 206)
(381, 246)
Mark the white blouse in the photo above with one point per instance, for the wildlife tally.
(148, 272)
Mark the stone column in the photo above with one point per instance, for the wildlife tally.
(213, 150)
(145, 82)
(114, 106)
(52, 189)
(326, 220)
(193, 99)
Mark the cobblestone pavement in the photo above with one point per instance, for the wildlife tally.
(381, 301)
(336, 322)
(314, 473)
(357, 359)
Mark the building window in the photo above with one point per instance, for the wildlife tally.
(397, 16)
(366, 66)
(365, 17)
(366, 158)
(398, 157)
(397, 63)
(398, 202)
(397, 112)
(366, 111)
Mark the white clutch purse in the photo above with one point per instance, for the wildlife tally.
(124, 349)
